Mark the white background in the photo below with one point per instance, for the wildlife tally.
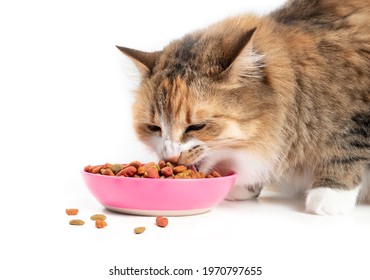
(66, 95)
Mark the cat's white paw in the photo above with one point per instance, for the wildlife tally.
(243, 192)
(327, 201)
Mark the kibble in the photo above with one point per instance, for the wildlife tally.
(152, 170)
(116, 167)
(167, 171)
(98, 217)
(161, 221)
(139, 230)
(72, 211)
(107, 171)
(100, 223)
(128, 171)
(135, 164)
(179, 169)
(76, 222)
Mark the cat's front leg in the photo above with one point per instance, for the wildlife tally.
(333, 191)
(244, 192)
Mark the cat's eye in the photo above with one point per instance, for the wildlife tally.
(153, 128)
(195, 127)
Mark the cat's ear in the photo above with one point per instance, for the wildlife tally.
(144, 61)
(240, 58)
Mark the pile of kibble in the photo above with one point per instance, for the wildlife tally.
(162, 169)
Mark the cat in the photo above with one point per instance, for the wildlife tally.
(279, 99)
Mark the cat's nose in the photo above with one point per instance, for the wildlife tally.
(171, 151)
(173, 159)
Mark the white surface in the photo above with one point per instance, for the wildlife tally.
(65, 103)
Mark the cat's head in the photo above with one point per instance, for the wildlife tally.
(201, 97)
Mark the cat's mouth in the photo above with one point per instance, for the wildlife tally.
(198, 166)
(195, 167)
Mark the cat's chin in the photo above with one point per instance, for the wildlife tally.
(206, 166)
(220, 161)
(223, 169)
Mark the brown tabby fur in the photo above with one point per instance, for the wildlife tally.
(292, 87)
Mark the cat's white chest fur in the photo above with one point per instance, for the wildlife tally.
(252, 170)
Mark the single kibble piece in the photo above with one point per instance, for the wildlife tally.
(76, 222)
(117, 167)
(107, 171)
(141, 170)
(169, 164)
(100, 223)
(166, 171)
(161, 163)
(151, 172)
(72, 211)
(87, 168)
(139, 230)
(135, 164)
(128, 171)
(98, 217)
(179, 169)
(97, 169)
(150, 164)
(161, 221)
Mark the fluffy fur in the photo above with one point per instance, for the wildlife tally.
(283, 98)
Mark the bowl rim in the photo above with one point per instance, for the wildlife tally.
(231, 175)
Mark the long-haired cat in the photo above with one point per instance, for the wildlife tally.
(283, 98)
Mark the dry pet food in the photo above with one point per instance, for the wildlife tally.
(98, 217)
(162, 169)
(100, 223)
(139, 230)
(72, 211)
(76, 222)
(161, 221)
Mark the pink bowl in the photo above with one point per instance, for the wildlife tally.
(158, 197)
